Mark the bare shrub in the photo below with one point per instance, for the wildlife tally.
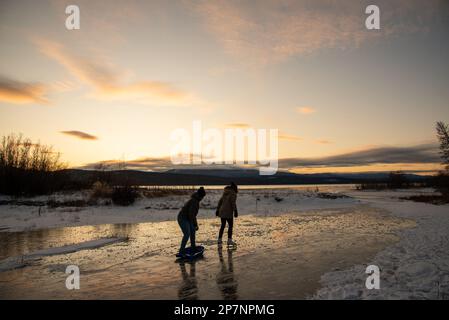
(442, 179)
(441, 183)
(101, 190)
(124, 195)
(27, 167)
(443, 137)
(158, 192)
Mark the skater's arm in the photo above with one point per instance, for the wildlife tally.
(193, 211)
(234, 205)
(219, 205)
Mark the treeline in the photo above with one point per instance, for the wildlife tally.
(28, 168)
(399, 180)
(440, 181)
(395, 180)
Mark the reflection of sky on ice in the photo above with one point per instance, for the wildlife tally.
(277, 257)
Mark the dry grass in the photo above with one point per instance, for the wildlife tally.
(100, 190)
(158, 192)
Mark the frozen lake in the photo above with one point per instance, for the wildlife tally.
(278, 257)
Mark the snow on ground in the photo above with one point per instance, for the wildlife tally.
(294, 250)
(417, 267)
(24, 260)
(259, 201)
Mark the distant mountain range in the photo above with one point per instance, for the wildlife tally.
(225, 176)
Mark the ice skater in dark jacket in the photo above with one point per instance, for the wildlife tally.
(187, 219)
(227, 210)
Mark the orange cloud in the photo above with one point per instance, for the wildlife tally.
(105, 78)
(420, 168)
(80, 135)
(237, 125)
(289, 137)
(306, 110)
(323, 141)
(21, 92)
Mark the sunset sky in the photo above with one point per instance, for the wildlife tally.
(344, 98)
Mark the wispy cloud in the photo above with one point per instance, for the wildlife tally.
(425, 153)
(237, 125)
(272, 31)
(145, 164)
(105, 78)
(62, 86)
(322, 141)
(305, 110)
(22, 92)
(419, 157)
(114, 18)
(80, 135)
(288, 137)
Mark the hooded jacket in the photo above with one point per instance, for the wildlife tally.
(190, 209)
(227, 204)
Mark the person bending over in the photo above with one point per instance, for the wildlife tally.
(187, 220)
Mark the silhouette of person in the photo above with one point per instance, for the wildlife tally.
(188, 289)
(187, 220)
(227, 211)
(226, 281)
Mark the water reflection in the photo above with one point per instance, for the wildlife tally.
(226, 281)
(188, 289)
(19, 243)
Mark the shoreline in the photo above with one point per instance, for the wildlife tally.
(25, 218)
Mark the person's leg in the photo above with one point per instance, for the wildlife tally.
(230, 226)
(223, 225)
(192, 235)
(185, 228)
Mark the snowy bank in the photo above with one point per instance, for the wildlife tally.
(417, 267)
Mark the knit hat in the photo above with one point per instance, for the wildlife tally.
(234, 187)
(201, 192)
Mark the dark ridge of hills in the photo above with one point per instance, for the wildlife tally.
(222, 177)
